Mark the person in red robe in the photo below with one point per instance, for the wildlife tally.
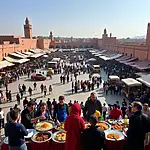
(74, 125)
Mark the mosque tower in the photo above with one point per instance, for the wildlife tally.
(27, 29)
(148, 35)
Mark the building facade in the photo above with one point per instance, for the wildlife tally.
(133, 49)
(10, 44)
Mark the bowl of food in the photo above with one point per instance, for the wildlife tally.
(44, 126)
(113, 135)
(112, 121)
(41, 137)
(118, 127)
(103, 125)
(60, 127)
(59, 137)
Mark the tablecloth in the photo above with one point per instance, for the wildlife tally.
(109, 145)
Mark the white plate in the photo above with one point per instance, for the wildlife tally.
(53, 136)
(30, 133)
(33, 137)
(112, 132)
(6, 140)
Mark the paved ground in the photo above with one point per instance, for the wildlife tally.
(58, 89)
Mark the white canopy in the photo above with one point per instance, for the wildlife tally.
(145, 79)
(5, 63)
(20, 61)
(56, 59)
(113, 77)
(17, 55)
(96, 75)
(131, 82)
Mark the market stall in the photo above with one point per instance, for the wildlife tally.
(131, 85)
(47, 136)
(113, 80)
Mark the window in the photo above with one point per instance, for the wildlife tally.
(5, 54)
(131, 55)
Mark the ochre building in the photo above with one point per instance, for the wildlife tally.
(10, 44)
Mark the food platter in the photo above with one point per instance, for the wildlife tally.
(41, 137)
(101, 125)
(113, 135)
(60, 127)
(44, 126)
(59, 136)
(30, 133)
(112, 121)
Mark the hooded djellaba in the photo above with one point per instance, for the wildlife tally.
(74, 125)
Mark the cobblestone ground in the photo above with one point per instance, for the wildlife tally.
(58, 89)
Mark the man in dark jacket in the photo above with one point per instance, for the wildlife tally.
(91, 105)
(92, 138)
(138, 126)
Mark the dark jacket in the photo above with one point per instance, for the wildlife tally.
(138, 126)
(90, 108)
(92, 138)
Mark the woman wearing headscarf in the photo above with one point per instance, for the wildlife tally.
(74, 125)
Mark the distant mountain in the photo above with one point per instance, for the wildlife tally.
(139, 37)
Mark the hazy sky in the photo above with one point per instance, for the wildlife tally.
(77, 18)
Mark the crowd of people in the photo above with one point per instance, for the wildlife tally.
(74, 115)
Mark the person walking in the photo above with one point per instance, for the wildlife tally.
(50, 89)
(30, 91)
(42, 87)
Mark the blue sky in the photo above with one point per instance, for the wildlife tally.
(77, 18)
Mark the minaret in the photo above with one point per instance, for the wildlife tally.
(27, 29)
(148, 35)
(110, 34)
(51, 36)
(105, 35)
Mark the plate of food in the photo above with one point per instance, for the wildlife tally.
(113, 135)
(5, 140)
(41, 137)
(60, 127)
(101, 125)
(44, 126)
(59, 137)
(30, 133)
(112, 121)
(118, 127)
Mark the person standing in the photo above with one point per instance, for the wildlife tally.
(138, 127)
(92, 138)
(8, 118)
(115, 113)
(18, 98)
(45, 90)
(50, 89)
(61, 110)
(74, 125)
(1, 118)
(42, 87)
(34, 85)
(28, 116)
(10, 96)
(104, 111)
(30, 91)
(16, 132)
(91, 105)
(146, 110)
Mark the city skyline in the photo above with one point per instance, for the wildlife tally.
(76, 18)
